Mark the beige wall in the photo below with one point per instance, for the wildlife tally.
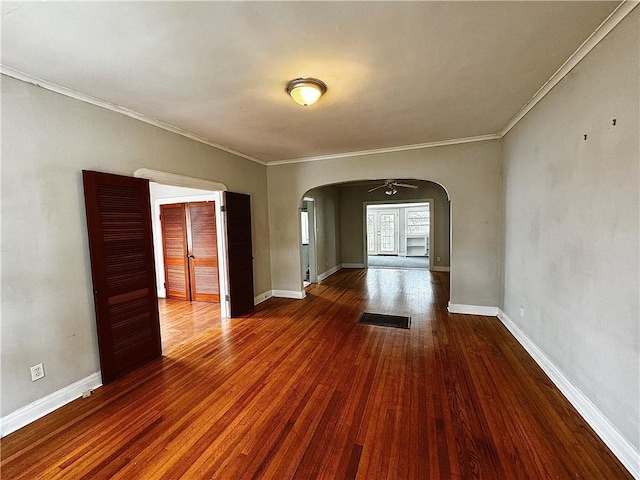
(47, 305)
(572, 227)
(471, 174)
(352, 200)
(327, 221)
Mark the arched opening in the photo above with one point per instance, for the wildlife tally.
(338, 230)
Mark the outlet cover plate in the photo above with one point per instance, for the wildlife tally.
(37, 372)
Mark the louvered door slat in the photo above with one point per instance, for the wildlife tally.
(203, 248)
(174, 241)
(123, 271)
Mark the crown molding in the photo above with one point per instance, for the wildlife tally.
(402, 148)
(83, 97)
(620, 12)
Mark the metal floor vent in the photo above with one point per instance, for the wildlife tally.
(381, 320)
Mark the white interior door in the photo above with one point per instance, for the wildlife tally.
(388, 232)
(382, 232)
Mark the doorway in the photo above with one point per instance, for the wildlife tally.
(189, 246)
(188, 240)
(308, 242)
(382, 231)
(121, 234)
(398, 235)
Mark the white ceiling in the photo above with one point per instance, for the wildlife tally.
(399, 73)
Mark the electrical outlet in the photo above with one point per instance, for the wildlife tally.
(37, 372)
(437, 259)
(522, 312)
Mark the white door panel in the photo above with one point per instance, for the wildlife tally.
(382, 232)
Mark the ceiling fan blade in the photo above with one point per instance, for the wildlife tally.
(405, 185)
(376, 188)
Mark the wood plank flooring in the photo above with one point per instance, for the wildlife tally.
(299, 390)
(181, 320)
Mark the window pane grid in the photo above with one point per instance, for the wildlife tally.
(418, 223)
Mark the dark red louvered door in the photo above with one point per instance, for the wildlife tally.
(122, 267)
(203, 251)
(174, 242)
(239, 252)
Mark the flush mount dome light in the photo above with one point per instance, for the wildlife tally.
(306, 91)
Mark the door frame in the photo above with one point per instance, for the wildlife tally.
(216, 189)
(313, 249)
(432, 229)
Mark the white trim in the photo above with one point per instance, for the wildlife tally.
(158, 247)
(441, 269)
(473, 309)
(329, 272)
(215, 189)
(353, 265)
(609, 434)
(177, 180)
(83, 97)
(621, 11)
(289, 294)
(262, 297)
(398, 204)
(399, 148)
(45, 405)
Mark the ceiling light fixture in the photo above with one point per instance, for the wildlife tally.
(306, 91)
(391, 190)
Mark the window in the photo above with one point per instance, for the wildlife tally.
(418, 222)
(304, 224)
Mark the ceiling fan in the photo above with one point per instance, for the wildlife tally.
(391, 185)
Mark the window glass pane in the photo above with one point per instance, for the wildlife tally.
(387, 232)
(371, 232)
(418, 222)
(304, 223)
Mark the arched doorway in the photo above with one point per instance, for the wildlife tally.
(340, 223)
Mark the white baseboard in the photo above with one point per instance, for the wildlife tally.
(353, 265)
(473, 309)
(289, 294)
(262, 297)
(609, 434)
(41, 407)
(329, 272)
(440, 269)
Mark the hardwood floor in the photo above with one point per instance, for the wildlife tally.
(299, 390)
(181, 320)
